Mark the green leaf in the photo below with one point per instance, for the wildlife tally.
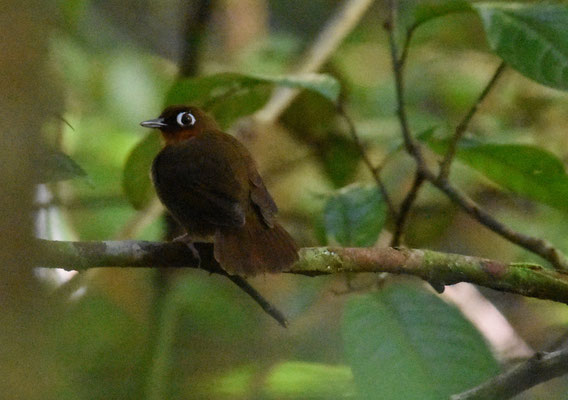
(340, 157)
(214, 91)
(218, 85)
(532, 38)
(355, 216)
(136, 181)
(404, 343)
(321, 130)
(323, 84)
(416, 12)
(413, 13)
(526, 170)
(54, 165)
(239, 104)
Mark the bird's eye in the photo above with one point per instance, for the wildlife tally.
(185, 119)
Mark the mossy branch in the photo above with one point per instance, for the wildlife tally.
(439, 268)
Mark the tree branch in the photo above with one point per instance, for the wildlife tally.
(520, 278)
(405, 208)
(538, 369)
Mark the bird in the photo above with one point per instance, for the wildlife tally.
(210, 184)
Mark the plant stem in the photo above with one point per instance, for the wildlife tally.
(374, 171)
(405, 208)
(464, 123)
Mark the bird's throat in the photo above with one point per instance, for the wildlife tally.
(170, 138)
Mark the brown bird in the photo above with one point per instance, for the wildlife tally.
(210, 184)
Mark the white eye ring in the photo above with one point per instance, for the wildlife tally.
(183, 116)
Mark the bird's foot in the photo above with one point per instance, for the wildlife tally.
(185, 239)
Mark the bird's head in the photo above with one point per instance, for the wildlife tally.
(179, 123)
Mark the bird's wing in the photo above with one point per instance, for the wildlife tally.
(261, 198)
(196, 179)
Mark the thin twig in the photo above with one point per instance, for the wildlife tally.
(406, 45)
(261, 301)
(405, 208)
(412, 147)
(462, 126)
(209, 263)
(374, 171)
(538, 369)
(538, 246)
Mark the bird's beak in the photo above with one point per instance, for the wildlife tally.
(154, 123)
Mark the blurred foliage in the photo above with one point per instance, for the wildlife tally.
(335, 151)
(518, 168)
(173, 335)
(355, 216)
(216, 88)
(57, 166)
(389, 340)
(136, 181)
(108, 339)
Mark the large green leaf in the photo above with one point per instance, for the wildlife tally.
(239, 104)
(355, 215)
(214, 92)
(532, 38)
(205, 88)
(526, 170)
(404, 343)
(136, 181)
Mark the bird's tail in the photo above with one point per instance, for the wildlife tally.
(255, 248)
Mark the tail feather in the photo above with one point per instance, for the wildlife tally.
(255, 248)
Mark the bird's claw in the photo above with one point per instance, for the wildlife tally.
(185, 239)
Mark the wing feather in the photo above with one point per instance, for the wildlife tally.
(261, 198)
(196, 180)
